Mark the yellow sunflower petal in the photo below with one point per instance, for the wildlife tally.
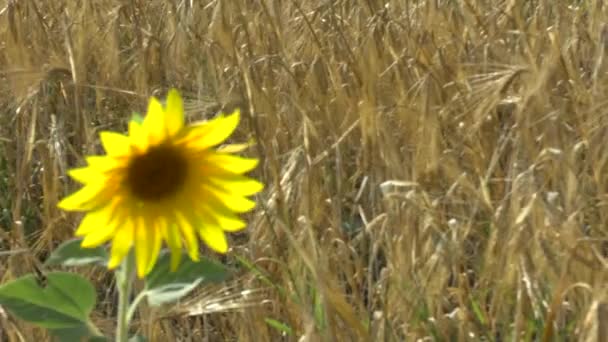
(154, 122)
(172, 236)
(237, 185)
(234, 203)
(214, 237)
(85, 174)
(100, 235)
(215, 213)
(97, 161)
(208, 134)
(157, 242)
(224, 219)
(115, 144)
(144, 241)
(174, 113)
(98, 219)
(87, 198)
(187, 229)
(121, 244)
(105, 163)
(231, 163)
(138, 135)
(90, 222)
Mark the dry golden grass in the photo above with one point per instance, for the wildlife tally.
(435, 169)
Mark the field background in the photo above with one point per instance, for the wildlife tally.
(435, 170)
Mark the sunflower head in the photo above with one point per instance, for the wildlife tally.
(163, 182)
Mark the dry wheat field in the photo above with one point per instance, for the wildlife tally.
(435, 170)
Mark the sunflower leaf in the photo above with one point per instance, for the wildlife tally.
(62, 304)
(164, 286)
(70, 253)
(80, 333)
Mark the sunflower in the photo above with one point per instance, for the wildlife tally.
(164, 181)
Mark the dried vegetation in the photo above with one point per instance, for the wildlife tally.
(435, 168)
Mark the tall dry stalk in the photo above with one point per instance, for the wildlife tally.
(435, 168)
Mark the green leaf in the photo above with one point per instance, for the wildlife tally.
(76, 334)
(65, 302)
(70, 253)
(164, 286)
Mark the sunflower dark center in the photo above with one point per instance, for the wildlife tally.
(159, 173)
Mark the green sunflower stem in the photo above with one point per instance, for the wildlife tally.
(124, 278)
